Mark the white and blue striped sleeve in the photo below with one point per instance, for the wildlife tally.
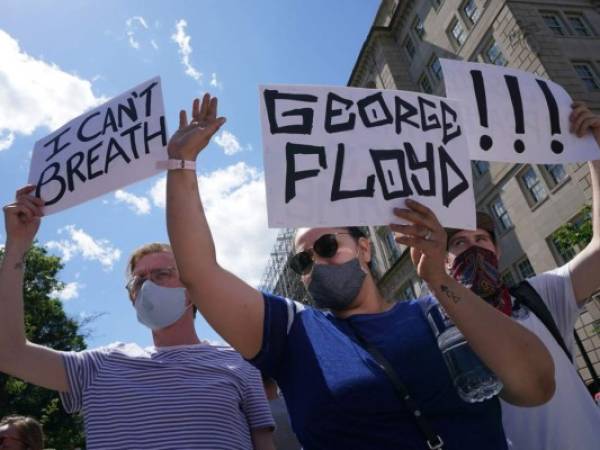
(254, 403)
(81, 369)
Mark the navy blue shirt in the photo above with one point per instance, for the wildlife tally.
(338, 397)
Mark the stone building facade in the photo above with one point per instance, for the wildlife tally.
(559, 40)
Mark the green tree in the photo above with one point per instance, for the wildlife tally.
(46, 324)
(577, 233)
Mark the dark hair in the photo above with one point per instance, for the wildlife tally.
(28, 429)
(484, 222)
(356, 232)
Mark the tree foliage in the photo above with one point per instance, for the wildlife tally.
(46, 324)
(573, 234)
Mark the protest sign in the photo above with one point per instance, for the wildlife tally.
(337, 156)
(106, 148)
(514, 116)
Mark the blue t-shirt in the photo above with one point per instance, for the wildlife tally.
(338, 397)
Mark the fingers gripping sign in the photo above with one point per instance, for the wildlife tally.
(191, 138)
(23, 216)
(426, 237)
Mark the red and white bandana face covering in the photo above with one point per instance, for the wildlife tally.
(477, 269)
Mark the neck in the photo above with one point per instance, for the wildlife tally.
(181, 332)
(368, 301)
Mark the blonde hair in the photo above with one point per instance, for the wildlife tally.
(28, 430)
(146, 249)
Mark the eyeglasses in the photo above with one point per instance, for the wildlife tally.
(158, 276)
(326, 247)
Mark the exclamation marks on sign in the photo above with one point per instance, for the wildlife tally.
(512, 83)
(556, 146)
(485, 141)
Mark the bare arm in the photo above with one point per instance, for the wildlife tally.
(232, 307)
(262, 439)
(513, 353)
(582, 265)
(18, 357)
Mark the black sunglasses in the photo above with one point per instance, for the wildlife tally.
(326, 247)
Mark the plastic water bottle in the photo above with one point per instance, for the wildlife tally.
(474, 382)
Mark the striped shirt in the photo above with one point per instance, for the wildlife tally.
(182, 397)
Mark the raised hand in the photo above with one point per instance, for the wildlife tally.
(426, 237)
(189, 140)
(22, 218)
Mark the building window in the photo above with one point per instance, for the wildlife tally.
(409, 46)
(555, 23)
(457, 32)
(437, 4)
(579, 25)
(425, 84)
(556, 172)
(525, 269)
(587, 76)
(481, 167)
(565, 252)
(471, 11)
(436, 68)
(508, 279)
(418, 27)
(494, 55)
(533, 185)
(501, 214)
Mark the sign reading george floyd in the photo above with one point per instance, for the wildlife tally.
(104, 149)
(339, 156)
(515, 116)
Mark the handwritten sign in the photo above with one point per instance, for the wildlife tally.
(104, 149)
(337, 156)
(514, 116)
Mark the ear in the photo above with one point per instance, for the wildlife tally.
(364, 246)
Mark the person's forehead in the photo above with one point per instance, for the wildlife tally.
(154, 261)
(305, 237)
(470, 233)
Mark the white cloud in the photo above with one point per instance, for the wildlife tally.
(35, 93)
(6, 139)
(79, 243)
(139, 205)
(154, 44)
(235, 206)
(69, 292)
(228, 142)
(214, 82)
(133, 24)
(185, 49)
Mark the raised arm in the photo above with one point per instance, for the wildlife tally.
(514, 354)
(233, 308)
(585, 263)
(18, 357)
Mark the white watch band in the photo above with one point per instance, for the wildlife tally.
(174, 164)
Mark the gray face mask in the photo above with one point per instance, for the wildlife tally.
(335, 287)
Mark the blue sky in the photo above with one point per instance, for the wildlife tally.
(58, 61)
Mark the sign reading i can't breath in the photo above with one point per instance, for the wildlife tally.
(107, 148)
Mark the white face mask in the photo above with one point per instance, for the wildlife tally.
(158, 307)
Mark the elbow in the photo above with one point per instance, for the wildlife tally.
(536, 389)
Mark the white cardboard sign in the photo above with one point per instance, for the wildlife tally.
(106, 148)
(514, 116)
(337, 156)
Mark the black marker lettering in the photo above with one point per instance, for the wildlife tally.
(405, 116)
(512, 83)
(485, 141)
(91, 159)
(387, 155)
(110, 156)
(372, 100)
(336, 192)
(306, 114)
(330, 113)
(431, 121)
(55, 141)
(447, 136)
(148, 94)
(80, 135)
(162, 133)
(44, 181)
(446, 162)
(109, 121)
(73, 169)
(130, 110)
(429, 165)
(291, 176)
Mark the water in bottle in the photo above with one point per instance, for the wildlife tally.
(474, 382)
